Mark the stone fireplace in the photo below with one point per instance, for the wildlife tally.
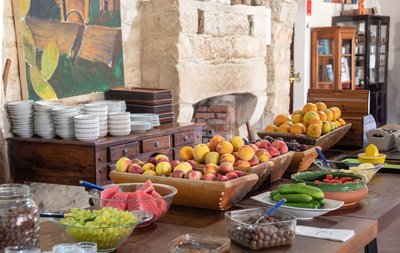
(202, 50)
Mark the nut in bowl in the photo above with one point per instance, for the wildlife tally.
(107, 227)
(153, 198)
(271, 231)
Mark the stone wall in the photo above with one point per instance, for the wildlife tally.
(278, 57)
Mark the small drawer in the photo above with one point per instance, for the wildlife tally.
(128, 150)
(184, 138)
(154, 144)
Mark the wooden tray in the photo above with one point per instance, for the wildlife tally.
(197, 193)
(325, 141)
(138, 93)
(167, 108)
(279, 165)
(302, 160)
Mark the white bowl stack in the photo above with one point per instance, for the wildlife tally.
(153, 118)
(63, 117)
(119, 123)
(43, 120)
(86, 127)
(21, 115)
(113, 105)
(100, 110)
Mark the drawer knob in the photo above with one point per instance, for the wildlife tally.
(157, 144)
(185, 138)
(124, 152)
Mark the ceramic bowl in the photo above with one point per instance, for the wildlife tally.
(368, 159)
(350, 193)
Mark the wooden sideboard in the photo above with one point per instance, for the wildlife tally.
(68, 161)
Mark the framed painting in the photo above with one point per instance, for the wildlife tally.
(68, 47)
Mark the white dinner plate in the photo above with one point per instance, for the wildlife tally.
(301, 213)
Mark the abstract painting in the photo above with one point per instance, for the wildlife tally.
(68, 47)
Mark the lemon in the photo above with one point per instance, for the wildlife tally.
(371, 151)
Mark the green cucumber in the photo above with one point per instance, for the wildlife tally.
(314, 192)
(310, 204)
(296, 197)
(273, 193)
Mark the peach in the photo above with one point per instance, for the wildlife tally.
(231, 175)
(237, 142)
(212, 157)
(298, 128)
(210, 168)
(254, 161)
(135, 168)
(314, 131)
(253, 146)
(236, 155)
(321, 106)
(222, 178)
(297, 116)
(315, 121)
(263, 155)
(310, 107)
(186, 153)
(163, 168)
(200, 151)
(271, 128)
(225, 147)
(262, 144)
(150, 173)
(280, 146)
(284, 128)
(177, 174)
(215, 140)
(122, 164)
(239, 173)
(329, 114)
(242, 164)
(228, 158)
(246, 153)
(209, 177)
(148, 166)
(193, 175)
(273, 151)
(152, 160)
(174, 163)
(225, 167)
(192, 163)
(341, 121)
(322, 115)
(136, 161)
(183, 166)
(280, 119)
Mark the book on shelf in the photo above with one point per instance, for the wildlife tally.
(324, 47)
(329, 72)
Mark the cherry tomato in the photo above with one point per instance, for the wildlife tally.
(329, 176)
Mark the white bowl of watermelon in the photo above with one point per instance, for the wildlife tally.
(149, 197)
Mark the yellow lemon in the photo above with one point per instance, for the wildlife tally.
(371, 150)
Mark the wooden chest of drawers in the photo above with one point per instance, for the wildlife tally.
(68, 161)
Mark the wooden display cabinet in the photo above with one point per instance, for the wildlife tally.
(332, 57)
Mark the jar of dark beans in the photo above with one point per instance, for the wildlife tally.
(19, 217)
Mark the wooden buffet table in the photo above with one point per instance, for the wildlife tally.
(377, 210)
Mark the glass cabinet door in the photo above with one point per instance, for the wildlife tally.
(326, 64)
(373, 68)
(382, 53)
(345, 63)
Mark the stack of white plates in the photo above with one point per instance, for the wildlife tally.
(100, 110)
(63, 117)
(86, 127)
(153, 118)
(21, 115)
(43, 120)
(113, 105)
(119, 123)
(140, 126)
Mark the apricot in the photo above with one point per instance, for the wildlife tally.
(186, 153)
(298, 128)
(297, 116)
(212, 157)
(314, 130)
(280, 119)
(315, 121)
(225, 147)
(308, 116)
(246, 153)
(284, 128)
(237, 142)
(310, 107)
(322, 115)
(271, 128)
(215, 140)
(342, 121)
(336, 113)
(242, 164)
(329, 114)
(320, 106)
(200, 151)
(227, 158)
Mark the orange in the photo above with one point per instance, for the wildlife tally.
(342, 121)
(271, 128)
(309, 116)
(329, 114)
(284, 128)
(310, 107)
(321, 106)
(280, 119)
(314, 131)
(315, 121)
(297, 116)
(322, 115)
(298, 128)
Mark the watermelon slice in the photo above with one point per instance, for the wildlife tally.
(118, 200)
(107, 194)
(143, 201)
(161, 203)
(147, 187)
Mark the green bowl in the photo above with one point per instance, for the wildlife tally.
(308, 178)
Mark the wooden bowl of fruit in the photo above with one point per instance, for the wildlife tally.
(347, 187)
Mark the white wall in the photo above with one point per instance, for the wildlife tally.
(390, 8)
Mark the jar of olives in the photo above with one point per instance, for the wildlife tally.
(19, 217)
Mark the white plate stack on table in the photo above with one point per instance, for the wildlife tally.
(43, 120)
(21, 115)
(63, 117)
(119, 123)
(100, 110)
(140, 126)
(152, 118)
(86, 127)
(113, 105)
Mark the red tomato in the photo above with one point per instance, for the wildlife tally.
(329, 176)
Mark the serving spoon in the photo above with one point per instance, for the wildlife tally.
(268, 212)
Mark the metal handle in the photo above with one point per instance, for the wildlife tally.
(185, 138)
(124, 152)
(157, 144)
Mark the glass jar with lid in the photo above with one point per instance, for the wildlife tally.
(19, 217)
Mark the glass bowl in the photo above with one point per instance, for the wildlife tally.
(158, 204)
(277, 230)
(200, 244)
(107, 237)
